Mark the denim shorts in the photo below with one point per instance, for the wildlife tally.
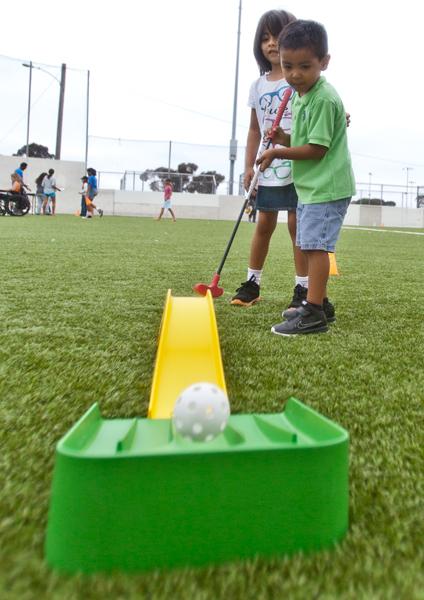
(274, 198)
(318, 225)
(166, 204)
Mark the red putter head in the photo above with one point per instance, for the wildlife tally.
(202, 288)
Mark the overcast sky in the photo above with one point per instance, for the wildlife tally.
(165, 71)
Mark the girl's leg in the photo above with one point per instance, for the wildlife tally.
(318, 270)
(53, 206)
(299, 257)
(264, 229)
(160, 215)
(45, 204)
(172, 213)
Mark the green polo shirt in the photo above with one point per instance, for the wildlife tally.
(320, 118)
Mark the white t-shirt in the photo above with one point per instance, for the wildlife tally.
(48, 184)
(265, 97)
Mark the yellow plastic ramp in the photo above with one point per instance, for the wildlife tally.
(188, 352)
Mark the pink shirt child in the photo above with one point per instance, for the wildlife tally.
(167, 190)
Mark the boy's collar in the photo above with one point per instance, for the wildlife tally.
(306, 97)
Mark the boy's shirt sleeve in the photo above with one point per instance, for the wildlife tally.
(321, 123)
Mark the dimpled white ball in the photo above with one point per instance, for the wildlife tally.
(201, 412)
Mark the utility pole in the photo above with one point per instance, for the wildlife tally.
(29, 107)
(87, 109)
(60, 112)
(233, 141)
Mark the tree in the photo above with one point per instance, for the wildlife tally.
(35, 151)
(183, 179)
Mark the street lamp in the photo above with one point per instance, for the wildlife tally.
(407, 169)
(233, 141)
(369, 185)
(61, 83)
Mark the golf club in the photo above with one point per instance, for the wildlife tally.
(216, 291)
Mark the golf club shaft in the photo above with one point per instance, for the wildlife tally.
(281, 109)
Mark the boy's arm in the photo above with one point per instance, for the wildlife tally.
(306, 152)
(252, 145)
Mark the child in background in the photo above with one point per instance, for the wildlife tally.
(83, 192)
(92, 191)
(167, 195)
(49, 190)
(276, 190)
(39, 192)
(322, 168)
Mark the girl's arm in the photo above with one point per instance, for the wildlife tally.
(252, 145)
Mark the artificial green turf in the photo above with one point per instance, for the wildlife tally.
(81, 304)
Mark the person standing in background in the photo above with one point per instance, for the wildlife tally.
(39, 192)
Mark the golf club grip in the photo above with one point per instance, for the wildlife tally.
(283, 104)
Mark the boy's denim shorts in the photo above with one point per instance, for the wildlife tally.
(275, 198)
(318, 225)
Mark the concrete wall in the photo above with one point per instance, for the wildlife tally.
(187, 206)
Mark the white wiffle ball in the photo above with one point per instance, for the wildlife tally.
(201, 412)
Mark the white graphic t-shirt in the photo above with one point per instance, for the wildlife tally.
(265, 97)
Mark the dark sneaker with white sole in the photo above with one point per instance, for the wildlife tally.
(327, 306)
(247, 294)
(308, 319)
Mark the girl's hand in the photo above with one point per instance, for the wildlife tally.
(248, 176)
(265, 159)
(347, 119)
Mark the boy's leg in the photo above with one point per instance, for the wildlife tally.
(319, 268)
(53, 205)
(299, 257)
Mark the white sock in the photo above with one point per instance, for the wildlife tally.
(257, 274)
(303, 281)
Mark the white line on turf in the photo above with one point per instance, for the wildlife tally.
(384, 230)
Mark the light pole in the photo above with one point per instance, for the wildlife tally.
(233, 141)
(407, 169)
(369, 185)
(29, 106)
(61, 83)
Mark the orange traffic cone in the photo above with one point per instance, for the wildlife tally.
(333, 265)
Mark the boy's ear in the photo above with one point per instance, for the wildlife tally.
(324, 62)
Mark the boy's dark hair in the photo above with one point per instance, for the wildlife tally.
(304, 34)
(273, 21)
(23, 165)
(91, 171)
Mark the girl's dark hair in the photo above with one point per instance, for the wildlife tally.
(273, 21)
(305, 34)
(40, 178)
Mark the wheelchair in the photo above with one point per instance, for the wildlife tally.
(14, 204)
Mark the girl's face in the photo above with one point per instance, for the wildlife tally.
(269, 47)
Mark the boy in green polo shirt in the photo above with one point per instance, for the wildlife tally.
(321, 167)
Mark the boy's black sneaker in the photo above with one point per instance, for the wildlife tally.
(247, 294)
(327, 307)
(308, 319)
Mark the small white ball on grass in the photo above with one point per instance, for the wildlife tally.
(201, 412)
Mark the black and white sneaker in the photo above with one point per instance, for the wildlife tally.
(327, 306)
(308, 319)
(247, 294)
(299, 294)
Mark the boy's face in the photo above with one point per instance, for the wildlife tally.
(302, 68)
